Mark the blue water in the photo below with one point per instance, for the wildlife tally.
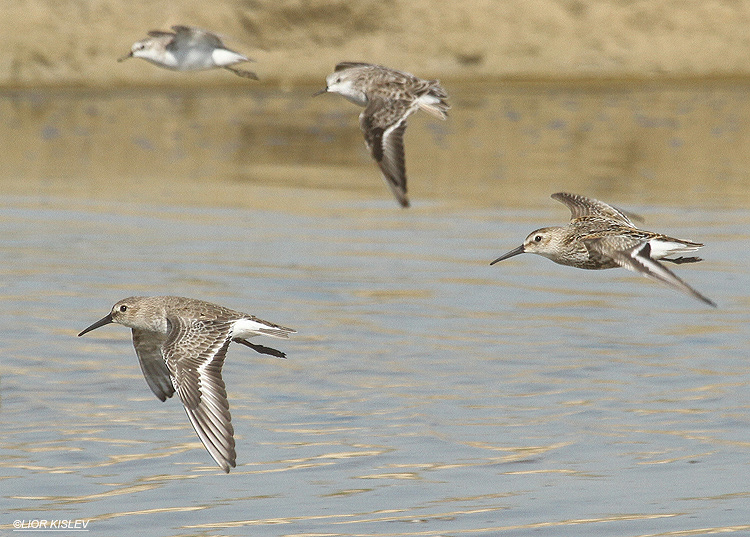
(426, 393)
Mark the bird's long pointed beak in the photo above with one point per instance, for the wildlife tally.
(123, 58)
(97, 324)
(324, 90)
(512, 253)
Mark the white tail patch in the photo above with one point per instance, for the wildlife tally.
(222, 57)
(433, 106)
(661, 248)
(247, 328)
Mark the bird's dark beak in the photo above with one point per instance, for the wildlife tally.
(128, 55)
(320, 92)
(97, 324)
(513, 252)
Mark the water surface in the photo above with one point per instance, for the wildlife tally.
(426, 392)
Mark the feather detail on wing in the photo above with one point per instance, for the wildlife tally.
(638, 259)
(195, 353)
(159, 33)
(384, 134)
(185, 34)
(581, 206)
(148, 348)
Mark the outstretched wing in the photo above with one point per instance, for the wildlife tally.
(195, 352)
(159, 33)
(186, 34)
(341, 66)
(638, 259)
(383, 125)
(148, 348)
(582, 206)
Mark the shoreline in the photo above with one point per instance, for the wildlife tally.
(184, 81)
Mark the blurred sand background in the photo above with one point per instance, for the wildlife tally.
(76, 42)
(620, 99)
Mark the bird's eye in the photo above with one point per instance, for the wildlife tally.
(538, 238)
(123, 308)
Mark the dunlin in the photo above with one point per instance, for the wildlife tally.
(389, 97)
(181, 344)
(600, 236)
(188, 49)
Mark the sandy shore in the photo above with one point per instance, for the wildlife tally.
(72, 42)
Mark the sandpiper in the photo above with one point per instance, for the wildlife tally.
(389, 97)
(181, 344)
(600, 236)
(188, 49)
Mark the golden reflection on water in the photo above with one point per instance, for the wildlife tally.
(509, 144)
(448, 515)
(128, 489)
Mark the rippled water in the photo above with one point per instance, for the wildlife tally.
(426, 392)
